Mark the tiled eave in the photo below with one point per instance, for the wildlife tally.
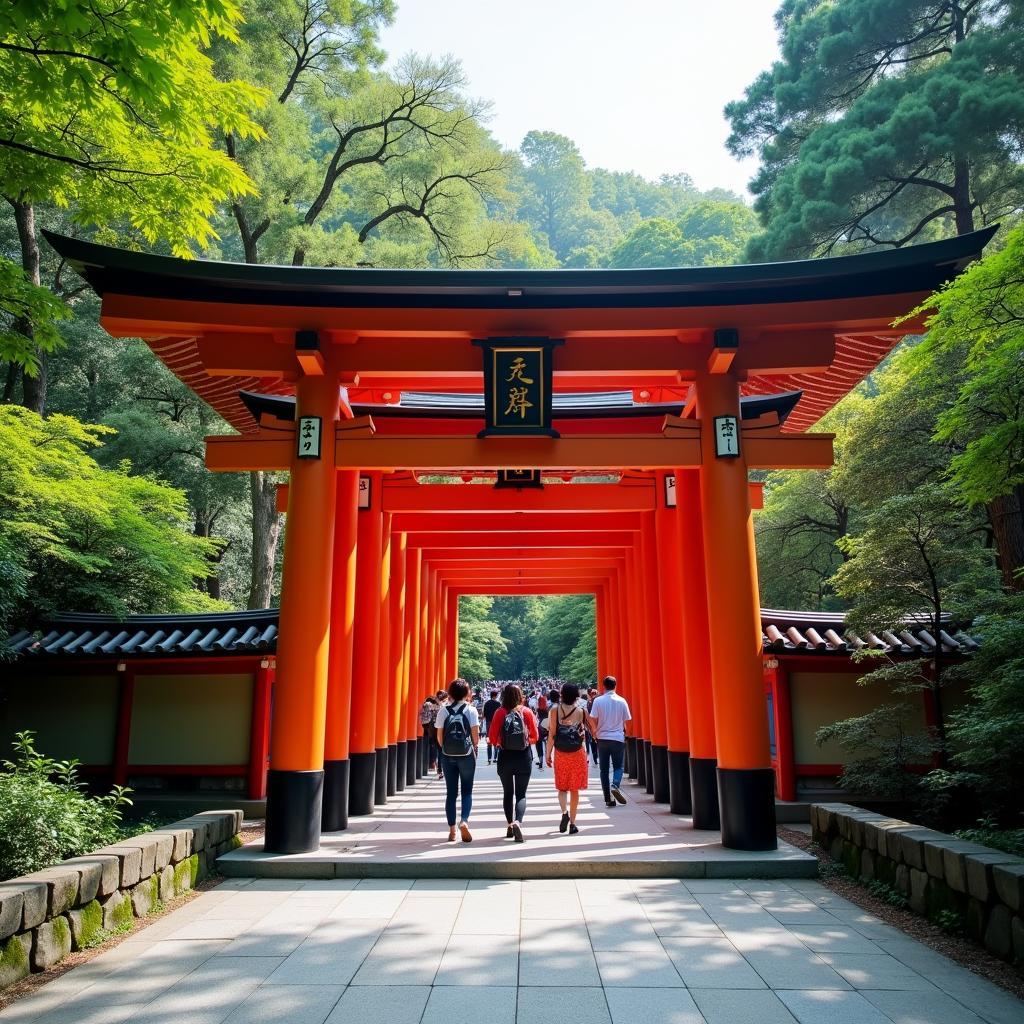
(83, 636)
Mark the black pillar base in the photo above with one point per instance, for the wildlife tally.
(629, 762)
(294, 803)
(413, 766)
(335, 811)
(421, 762)
(640, 762)
(380, 778)
(392, 777)
(400, 762)
(362, 768)
(679, 798)
(659, 762)
(649, 766)
(704, 788)
(747, 799)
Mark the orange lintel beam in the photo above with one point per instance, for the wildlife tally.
(554, 567)
(455, 556)
(457, 524)
(635, 496)
(612, 452)
(788, 451)
(409, 361)
(540, 542)
(226, 453)
(524, 588)
(148, 317)
(454, 575)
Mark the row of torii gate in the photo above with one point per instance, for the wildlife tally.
(320, 369)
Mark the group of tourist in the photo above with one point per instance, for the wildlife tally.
(565, 729)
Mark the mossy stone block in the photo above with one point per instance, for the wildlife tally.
(918, 895)
(12, 906)
(109, 868)
(941, 899)
(183, 876)
(885, 870)
(117, 912)
(14, 959)
(193, 870)
(851, 859)
(999, 934)
(130, 860)
(1009, 883)
(166, 883)
(51, 942)
(86, 925)
(61, 888)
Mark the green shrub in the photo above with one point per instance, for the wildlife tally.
(1007, 840)
(884, 891)
(44, 814)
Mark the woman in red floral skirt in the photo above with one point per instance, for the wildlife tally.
(566, 729)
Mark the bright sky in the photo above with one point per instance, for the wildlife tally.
(639, 85)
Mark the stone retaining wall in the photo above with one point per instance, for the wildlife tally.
(950, 881)
(73, 905)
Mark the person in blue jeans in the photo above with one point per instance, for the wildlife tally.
(608, 717)
(459, 768)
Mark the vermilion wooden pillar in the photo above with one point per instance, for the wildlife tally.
(674, 671)
(452, 634)
(637, 667)
(339, 669)
(417, 691)
(384, 779)
(696, 653)
(785, 756)
(601, 632)
(396, 728)
(259, 733)
(296, 777)
(656, 670)
(365, 653)
(746, 783)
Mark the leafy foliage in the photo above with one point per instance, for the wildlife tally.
(45, 816)
(86, 538)
(883, 123)
(480, 638)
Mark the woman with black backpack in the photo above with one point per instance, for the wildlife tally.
(566, 728)
(458, 736)
(513, 729)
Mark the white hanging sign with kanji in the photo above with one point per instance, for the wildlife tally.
(670, 491)
(308, 437)
(727, 437)
(364, 492)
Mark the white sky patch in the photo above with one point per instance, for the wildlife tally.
(639, 86)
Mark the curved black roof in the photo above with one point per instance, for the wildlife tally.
(879, 272)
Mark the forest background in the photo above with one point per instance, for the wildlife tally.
(270, 131)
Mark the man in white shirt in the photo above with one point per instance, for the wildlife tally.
(608, 717)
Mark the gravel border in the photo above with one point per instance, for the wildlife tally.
(959, 948)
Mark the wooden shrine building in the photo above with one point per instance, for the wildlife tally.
(592, 431)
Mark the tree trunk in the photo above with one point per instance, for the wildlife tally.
(33, 388)
(266, 529)
(92, 377)
(1006, 514)
(11, 382)
(963, 210)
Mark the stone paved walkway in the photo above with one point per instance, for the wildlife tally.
(444, 951)
(408, 837)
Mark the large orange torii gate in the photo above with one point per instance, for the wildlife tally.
(364, 385)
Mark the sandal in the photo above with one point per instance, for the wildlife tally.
(466, 835)
(451, 834)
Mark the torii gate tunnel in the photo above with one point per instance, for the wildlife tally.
(667, 386)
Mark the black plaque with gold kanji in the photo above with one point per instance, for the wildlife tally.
(517, 386)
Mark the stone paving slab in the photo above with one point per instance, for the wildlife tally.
(407, 837)
(316, 955)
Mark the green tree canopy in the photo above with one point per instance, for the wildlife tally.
(83, 538)
(884, 122)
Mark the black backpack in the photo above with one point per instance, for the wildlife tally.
(568, 738)
(513, 731)
(456, 734)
